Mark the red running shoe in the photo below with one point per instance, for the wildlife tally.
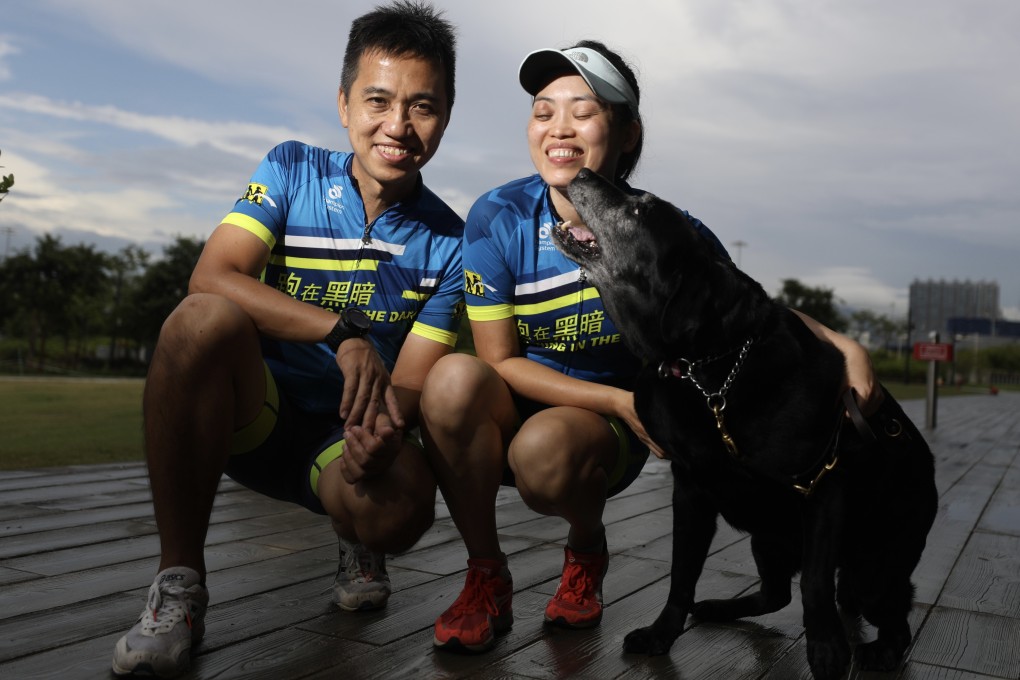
(482, 611)
(578, 601)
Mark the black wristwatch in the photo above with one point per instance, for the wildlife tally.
(353, 323)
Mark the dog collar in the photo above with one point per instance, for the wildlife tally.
(684, 370)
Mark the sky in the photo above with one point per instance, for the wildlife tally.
(852, 145)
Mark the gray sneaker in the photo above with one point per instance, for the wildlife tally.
(159, 644)
(361, 581)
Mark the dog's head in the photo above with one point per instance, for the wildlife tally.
(664, 284)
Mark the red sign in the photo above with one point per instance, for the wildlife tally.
(933, 351)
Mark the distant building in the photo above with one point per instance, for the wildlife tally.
(933, 304)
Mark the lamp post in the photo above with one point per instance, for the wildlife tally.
(739, 245)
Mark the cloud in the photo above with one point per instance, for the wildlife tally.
(7, 49)
(855, 146)
(248, 140)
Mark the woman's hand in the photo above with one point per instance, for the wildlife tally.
(860, 374)
(625, 411)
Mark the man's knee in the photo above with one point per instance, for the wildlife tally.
(388, 513)
(204, 320)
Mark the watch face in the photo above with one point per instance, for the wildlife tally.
(356, 319)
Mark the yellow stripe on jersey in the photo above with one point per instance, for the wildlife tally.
(252, 225)
(568, 300)
(489, 312)
(436, 334)
(291, 262)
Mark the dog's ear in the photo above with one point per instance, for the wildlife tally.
(704, 290)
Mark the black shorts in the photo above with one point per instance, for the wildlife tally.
(629, 461)
(281, 453)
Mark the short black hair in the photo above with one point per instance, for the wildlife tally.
(403, 28)
(622, 113)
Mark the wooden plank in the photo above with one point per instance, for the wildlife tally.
(960, 508)
(969, 641)
(87, 658)
(54, 629)
(986, 578)
(1002, 515)
(920, 671)
(286, 653)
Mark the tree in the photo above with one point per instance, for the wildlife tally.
(160, 289)
(6, 182)
(53, 291)
(126, 269)
(818, 303)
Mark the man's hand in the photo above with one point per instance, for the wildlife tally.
(367, 389)
(370, 451)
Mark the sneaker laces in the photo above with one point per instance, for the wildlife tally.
(165, 609)
(474, 593)
(574, 582)
(360, 561)
(580, 581)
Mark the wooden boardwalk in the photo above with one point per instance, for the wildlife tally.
(78, 549)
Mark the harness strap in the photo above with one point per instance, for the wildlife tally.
(850, 401)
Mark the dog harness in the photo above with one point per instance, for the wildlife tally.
(805, 482)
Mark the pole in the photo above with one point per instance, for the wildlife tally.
(933, 391)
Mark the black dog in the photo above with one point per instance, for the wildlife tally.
(750, 406)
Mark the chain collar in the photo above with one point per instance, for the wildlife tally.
(684, 370)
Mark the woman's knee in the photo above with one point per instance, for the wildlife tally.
(455, 390)
(551, 459)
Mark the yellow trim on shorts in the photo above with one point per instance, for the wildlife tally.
(334, 451)
(251, 436)
(623, 457)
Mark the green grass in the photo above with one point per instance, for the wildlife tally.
(49, 422)
(46, 422)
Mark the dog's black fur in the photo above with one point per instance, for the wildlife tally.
(674, 296)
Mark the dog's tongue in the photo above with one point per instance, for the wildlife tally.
(580, 232)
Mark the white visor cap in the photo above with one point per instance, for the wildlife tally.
(602, 77)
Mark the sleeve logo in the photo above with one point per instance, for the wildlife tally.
(473, 284)
(257, 193)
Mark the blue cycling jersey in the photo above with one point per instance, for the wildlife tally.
(513, 269)
(404, 269)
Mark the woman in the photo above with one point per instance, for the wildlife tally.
(546, 404)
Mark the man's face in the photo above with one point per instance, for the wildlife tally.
(395, 116)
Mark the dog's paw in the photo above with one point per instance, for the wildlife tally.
(878, 656)
(715, 610)
(738, 607)
(828, 659)
(646, 641)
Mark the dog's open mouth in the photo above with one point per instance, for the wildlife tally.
(578, 240)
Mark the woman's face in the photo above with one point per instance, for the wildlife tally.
(569, 129)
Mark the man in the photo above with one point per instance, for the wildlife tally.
(296, 363)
